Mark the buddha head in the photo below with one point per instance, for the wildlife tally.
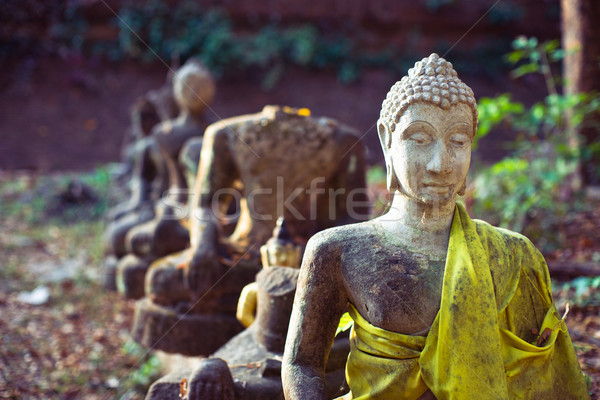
(193, 87)
(426, 127)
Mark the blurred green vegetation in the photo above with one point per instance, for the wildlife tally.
(146, 370)
(151, 29)
(534, 189)
(57, 199)
(583, 291)
(156, 29)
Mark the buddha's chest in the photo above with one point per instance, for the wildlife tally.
(398, 290)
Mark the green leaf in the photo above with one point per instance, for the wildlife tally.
(525, 69)
(515, 56)
(532, 42)
(520, 42)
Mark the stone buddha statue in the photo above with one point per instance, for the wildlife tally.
(147, 111)
(284, 162)
(248, 367)
(443, 306)
(139, 238)
(142, 179)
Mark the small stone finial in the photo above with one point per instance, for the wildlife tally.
(281, 231)
(280, 250)
(432, 80)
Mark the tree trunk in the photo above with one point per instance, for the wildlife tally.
(581, 40)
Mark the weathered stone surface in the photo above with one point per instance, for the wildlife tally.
(131, 271)
(189, 156)
(109, 273)
(283, 162)
(168, 387)
(253, 357)
(147, 225)
(279, 251)
(276, 289)
(188, 334)
(392, 267)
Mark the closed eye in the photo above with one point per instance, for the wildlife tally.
(420, 138)
(459, 140)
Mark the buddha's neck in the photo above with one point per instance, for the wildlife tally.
(187, 117)
(420, 217)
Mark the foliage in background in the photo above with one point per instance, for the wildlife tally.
(189, 30)
(157, 28)
(67, 198)
(145, 371)
(532, 187)
(378, 193)
(580, 292)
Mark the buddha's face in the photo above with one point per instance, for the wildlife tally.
(430, 151)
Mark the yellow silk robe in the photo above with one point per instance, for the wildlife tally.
(496, 289)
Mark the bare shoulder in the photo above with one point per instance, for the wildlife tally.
(335, 243)
(223, 126)
(322, 294)
(218, 128)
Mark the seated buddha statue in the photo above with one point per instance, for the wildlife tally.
(147, 111)
(282, 162)
(138, 241)
(142, 177)
(443, 306)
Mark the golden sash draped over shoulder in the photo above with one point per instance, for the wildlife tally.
(496, 289)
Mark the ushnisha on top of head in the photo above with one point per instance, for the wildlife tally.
(432, 80)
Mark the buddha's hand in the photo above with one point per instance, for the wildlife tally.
(211, 380)
(202, 271)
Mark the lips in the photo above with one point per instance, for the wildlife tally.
(435, 187)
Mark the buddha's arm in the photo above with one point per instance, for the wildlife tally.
(216, 172)
(320, 301)
(145, 171)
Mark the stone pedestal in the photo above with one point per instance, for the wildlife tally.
(197, 327)
(257, 380)
(109, 273)
(163, 328)
(130, 275)
(254, 355)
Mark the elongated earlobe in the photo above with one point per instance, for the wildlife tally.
(385, 136)
(391, 179)
(385, 139)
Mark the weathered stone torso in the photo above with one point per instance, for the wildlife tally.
(280, 158)
(392, 286)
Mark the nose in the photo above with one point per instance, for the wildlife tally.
(440, 161)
